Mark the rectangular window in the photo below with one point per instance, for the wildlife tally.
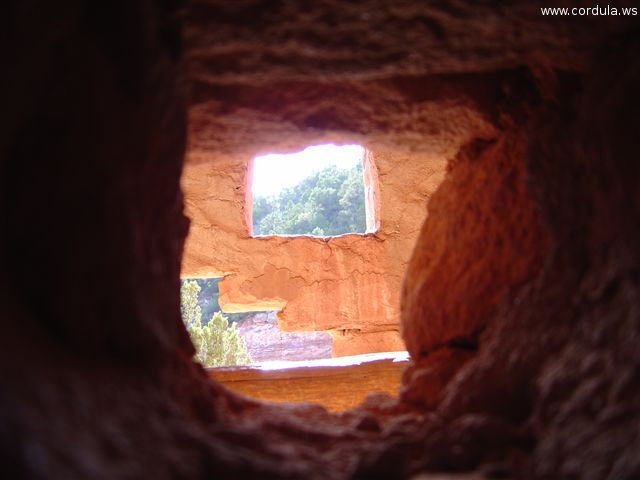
(319, 191)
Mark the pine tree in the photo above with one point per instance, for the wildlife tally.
(217, 343)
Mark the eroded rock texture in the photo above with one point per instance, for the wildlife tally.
(527, 366)
(348, 285)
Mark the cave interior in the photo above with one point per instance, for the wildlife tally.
(514, 272)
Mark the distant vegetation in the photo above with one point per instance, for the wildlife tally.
(207, 295)
(329, 202)
(217, 342)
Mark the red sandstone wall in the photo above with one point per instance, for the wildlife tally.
(348, 285)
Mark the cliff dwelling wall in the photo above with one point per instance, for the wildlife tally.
(348, 285)
(412, 127)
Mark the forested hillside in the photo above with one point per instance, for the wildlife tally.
(329, 202)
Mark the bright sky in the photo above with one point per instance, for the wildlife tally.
(276, 171)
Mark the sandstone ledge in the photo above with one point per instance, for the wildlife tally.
(337, 384)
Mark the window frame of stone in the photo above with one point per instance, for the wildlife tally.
(371, 199)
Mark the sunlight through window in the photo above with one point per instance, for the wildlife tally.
(319, 191)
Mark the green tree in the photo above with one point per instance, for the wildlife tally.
(328, 202)
(217, 343)
(352, 214)
(261, 208)
(189, 307)
(208, 296)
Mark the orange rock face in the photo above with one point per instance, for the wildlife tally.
(482, 242)
(347, 285)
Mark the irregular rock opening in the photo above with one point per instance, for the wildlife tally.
(266, 345)
(248, 353)
(529, 253)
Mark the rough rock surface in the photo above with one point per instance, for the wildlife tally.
(356, 81)
(455, 287)
(538, 378)
(348, 285)
(265, 341)
(338, 384)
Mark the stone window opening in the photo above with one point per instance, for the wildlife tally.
(243, 338)
(252, 356)
(322, 191)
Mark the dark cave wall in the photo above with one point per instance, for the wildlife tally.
(586, 402)
(556, 357)
(91, 160)
(95, 375)
(94, 129)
